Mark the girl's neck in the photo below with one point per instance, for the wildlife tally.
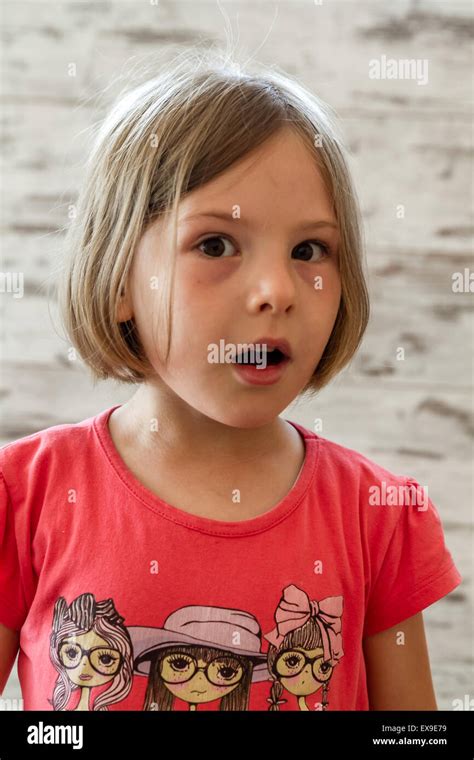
(201, 478)
(166, 429)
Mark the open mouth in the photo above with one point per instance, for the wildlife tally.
(272, 356)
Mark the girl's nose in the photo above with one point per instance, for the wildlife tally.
(272, 288)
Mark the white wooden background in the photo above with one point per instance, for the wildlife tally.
(410, 145)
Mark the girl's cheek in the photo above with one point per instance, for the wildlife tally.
(196, 277)
(180, 687)
(324, 279)
(203, 273)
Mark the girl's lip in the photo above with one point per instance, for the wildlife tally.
(280, 343)
(251, 374)
(85, 678)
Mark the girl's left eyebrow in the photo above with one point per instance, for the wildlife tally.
(229, 218)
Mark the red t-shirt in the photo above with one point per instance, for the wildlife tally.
(125, 602)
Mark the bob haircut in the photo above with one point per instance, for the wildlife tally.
(161, 139)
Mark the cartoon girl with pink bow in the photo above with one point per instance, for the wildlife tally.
(304, 647)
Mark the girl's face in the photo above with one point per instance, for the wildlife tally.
(89, 659)
(302, 671)
(198, 681)
(257, 256)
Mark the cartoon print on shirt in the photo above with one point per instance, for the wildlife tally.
(90, 646)
(200, 655)
(304, 647)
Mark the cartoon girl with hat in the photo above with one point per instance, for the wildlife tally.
(201, 654)
(304, 647)
(90, 646)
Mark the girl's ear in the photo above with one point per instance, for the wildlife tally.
(124, 308)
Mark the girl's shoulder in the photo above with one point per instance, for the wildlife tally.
(368, 494)
(54, 444)
(351, 465)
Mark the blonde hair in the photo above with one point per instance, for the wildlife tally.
(170, 134)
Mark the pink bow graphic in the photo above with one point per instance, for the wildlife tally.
(295, 608)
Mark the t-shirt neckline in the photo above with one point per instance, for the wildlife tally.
(208, 525)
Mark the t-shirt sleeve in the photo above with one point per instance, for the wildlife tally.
(417, 568)
(13, 608)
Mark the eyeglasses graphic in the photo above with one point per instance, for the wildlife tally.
(179, 668)
(292, 661)
(104, 660)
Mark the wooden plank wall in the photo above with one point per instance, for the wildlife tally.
(410, 144)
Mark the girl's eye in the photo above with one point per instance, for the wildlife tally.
(179, 663)
(293, 660)
(307, 252)
(106, 659)
(227, 672)
(215, 247)
(322, 670)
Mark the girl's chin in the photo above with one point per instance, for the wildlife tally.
(252, 418)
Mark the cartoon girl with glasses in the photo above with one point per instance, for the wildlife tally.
(200, 655)
(304, 647)
(90, 646)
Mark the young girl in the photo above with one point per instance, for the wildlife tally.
(216, 264)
